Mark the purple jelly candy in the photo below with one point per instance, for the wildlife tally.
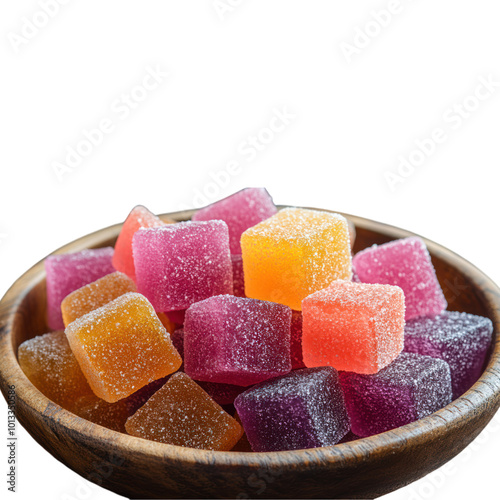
(407, 264)
(304, 409)
(234, 340)
(411, 387)
(68, 272)
(460, 339)
(179, 264)
(238, 279)
(296, 341)
(242, 210)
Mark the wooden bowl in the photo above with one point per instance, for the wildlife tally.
(365, 468)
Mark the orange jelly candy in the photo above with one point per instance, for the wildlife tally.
(52, 368)
(183, 414)
(140, 216)
(356, 327)
(295, 253)
(122, 346)
(95, 295)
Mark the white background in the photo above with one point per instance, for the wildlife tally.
(229, 71)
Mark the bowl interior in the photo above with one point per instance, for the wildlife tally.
(23, 316)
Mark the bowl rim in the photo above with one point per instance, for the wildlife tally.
(484, 393)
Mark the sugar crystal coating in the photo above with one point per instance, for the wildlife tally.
(353, 326)
(122, 346)
(68, 272)
(49, 363)
(303, 409)
(460, 339)
(139, 217)
(183, 414)
(295, 253)
(180, 264)
(405, 263)
(410, 388)
(236, 340)
(241, 210)
(95, 295)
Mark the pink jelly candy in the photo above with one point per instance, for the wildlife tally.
(68, 272)
(180, 264)
(242, 210)
(407, 264)
(237, 341)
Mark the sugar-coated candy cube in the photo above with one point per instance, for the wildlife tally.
(110, 415)
(405, 263)
(238, 277)
(49, 363)
(237, 341)
(95, 295)
(353, 326)
(183, 414)
(180, 264)
(304, 409)
(296, 341)
(242, 210)
(122, 346)
(295, 253)
(460, 339)
(68, 272)
(410, 388)
(140, 216)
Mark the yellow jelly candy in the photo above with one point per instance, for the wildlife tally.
(295, 253)
(95, 295)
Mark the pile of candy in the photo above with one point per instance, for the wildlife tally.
(251, 329)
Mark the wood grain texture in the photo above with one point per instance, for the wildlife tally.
(365, 468)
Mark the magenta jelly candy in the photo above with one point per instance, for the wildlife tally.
(238, 278)
(180, 264)
(407, 264)
(68, 272)
(237, 341)
(304, 409)
(242, 210)
(460, 339)
(411, 387)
